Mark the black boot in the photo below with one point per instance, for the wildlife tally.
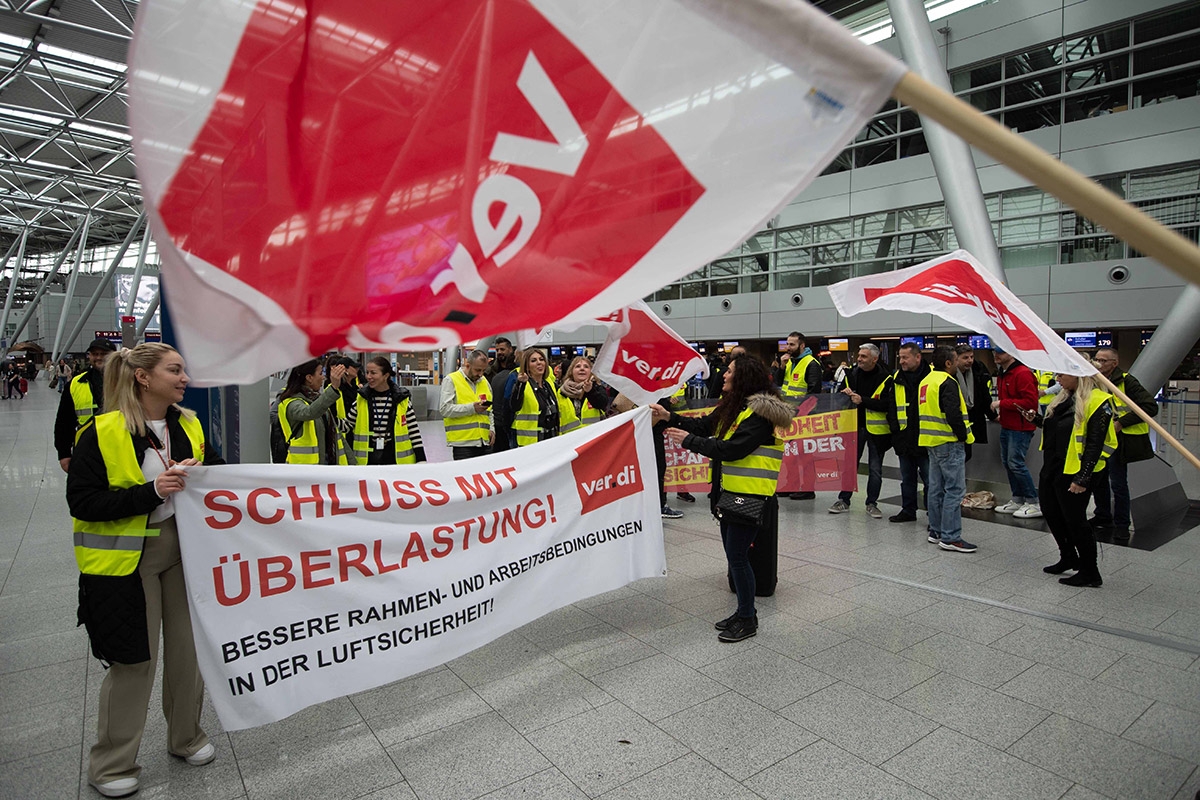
(1064, 563)
(725, 623)
(1089, 577)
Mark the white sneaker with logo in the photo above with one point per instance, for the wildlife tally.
(1011, 507)
(1029, 511)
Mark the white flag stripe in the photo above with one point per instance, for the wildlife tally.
(963, 300)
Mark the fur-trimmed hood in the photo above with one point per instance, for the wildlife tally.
(774, 409)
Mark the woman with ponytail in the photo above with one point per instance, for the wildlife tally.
(1077, 439)
(308, 417)
(127, 465)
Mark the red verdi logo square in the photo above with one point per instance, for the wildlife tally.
(606, 469)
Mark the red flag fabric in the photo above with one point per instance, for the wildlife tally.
(958, 289)
(381, 176)
(643, 358)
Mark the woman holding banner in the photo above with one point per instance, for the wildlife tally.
(1077, 439)
(307, 416)
(535, 403)
(125, 468)
(739, 437)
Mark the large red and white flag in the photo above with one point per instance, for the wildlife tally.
(958, 289)
(387, 175)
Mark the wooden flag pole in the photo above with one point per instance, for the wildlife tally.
(1135, 408)
(1075, 189)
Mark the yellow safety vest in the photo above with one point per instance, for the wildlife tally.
(1141, 426)
(794, 387)
(877, 421)
(525, 420)
(1079, 434)
(85, 402)
(361, 441)
(1044, 379)
(473, 427)
(305, 449)
(115, 547)
(757, 473)
(588, 414)
(935, 428)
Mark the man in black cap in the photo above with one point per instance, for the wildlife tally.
(83, 399)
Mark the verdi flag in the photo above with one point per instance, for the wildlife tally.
(958, 289)
(388, 175)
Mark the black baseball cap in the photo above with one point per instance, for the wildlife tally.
(102, 344)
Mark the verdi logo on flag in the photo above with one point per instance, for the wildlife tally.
(958, 289)
(387, 176)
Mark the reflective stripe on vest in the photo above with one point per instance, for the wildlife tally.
(115, 547)
(794, 386)
(1079, 434)
(85, 403)
(588, 414)
(934, 427)
(1044, 380)
(901, 402)
(1141, 426)
(473, 427)
(361, 437)
(757, 473)
(877, 421)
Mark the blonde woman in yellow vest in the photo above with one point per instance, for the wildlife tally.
(538, 414)
(308, 417)
(739, 436)
(582, 391)
(1078, 439)
(126, 467)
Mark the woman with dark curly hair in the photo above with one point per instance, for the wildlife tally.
(739, 438)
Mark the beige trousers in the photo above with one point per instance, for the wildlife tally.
(125, 693)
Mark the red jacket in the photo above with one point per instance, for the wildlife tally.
(1018, 390)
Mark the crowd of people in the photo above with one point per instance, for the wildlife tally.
(124, 441)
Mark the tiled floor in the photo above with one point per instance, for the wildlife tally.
(883, 667)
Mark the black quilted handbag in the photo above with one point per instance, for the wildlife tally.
(744, 509)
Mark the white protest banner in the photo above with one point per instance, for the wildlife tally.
(958, 289)
(308, 583)
(378, 175)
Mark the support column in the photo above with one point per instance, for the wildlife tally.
(952, 160)
(19, 246)
(1175, 336)
(70, 295)
(105, 281)
(137, 271)
(37, 296)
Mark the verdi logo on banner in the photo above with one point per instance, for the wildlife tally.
(607, 469)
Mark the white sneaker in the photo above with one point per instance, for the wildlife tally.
(202, 756)
(1011, 507)
(121, 787)
(1029, 511)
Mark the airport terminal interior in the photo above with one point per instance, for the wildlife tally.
(883, 666)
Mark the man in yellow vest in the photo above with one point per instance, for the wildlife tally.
(799, 376)
(865, 386)
(1133, 444)
(466, 404)
(943, 433)
(82, 400)
(905, 424)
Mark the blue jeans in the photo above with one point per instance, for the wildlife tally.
(947, 485)
(1013, 447)
(737, 540)
(1112, 505)
(910, 468)
(874, 468)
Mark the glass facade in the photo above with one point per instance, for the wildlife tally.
(1032, 228)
